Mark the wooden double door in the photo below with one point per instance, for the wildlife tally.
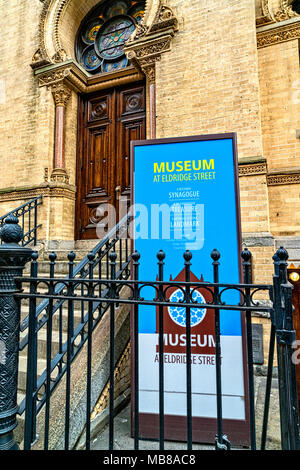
(107, 123)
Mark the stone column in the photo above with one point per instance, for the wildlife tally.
(149, 71)
(61, 95)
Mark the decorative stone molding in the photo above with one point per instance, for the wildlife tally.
(69, 74)
(61, 94)
(277, 25)
(267, 17)
(45, 189)
(41, 57)
(270, 11)
(281, 179)
(251, 169)
(148, 42)
(59, 175)
(285, 11)
(258, 239)
(278, 35)
(54, 77)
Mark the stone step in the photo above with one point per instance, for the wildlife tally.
(59, 321)
(42, 343)
(41, 366)
(62, 267)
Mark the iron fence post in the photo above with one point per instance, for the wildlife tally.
(286, 335)
(161, 256)
(270, 364)
(13, 258)
(247, 263)
(135, 257)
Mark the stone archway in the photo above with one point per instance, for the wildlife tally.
(60, 19)
(55, 68)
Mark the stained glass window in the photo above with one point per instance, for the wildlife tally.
(103, 33)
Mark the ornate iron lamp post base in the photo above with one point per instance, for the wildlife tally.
(13, 258)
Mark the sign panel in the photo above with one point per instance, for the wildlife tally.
(186, 197)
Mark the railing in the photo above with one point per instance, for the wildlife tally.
(28, 219)
(96, 263)
(102, 294)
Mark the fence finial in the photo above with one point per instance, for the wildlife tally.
(11, 232)
(161, 255)
(136, 256)
(282, 254)
(187, 256)
(215, 255)
(246, 255)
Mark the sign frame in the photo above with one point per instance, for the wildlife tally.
(204, 429)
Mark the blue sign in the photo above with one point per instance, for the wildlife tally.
(186, 197)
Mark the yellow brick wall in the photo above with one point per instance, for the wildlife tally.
(213, 80)
(285, 209)
(208, 83)
(22, 107)
(254, 204)
(27, 121)
(279, 76)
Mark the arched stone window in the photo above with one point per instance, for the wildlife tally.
(103, 33)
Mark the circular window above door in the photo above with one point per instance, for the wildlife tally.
(104, 32)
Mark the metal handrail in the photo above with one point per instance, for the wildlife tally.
(78, 270)
(98, 254)
(29, 226)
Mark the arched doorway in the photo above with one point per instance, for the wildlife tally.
(108, 122)
(110, 119)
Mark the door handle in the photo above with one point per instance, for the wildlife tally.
(118, 192)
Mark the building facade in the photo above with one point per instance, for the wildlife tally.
(189, 67)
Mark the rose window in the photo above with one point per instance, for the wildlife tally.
(104, 32)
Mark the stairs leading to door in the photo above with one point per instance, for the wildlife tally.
(60, 318)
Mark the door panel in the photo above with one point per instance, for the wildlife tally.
(130, 126)
(107, 123)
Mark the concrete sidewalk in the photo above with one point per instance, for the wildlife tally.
(123, 441)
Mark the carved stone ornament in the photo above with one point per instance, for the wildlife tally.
(285, 11)
(280, 34)
(59, 56)
(282, 179)
(147, 43)
(253, 169)
(277, 31)
(267, 16)
(61, 94)
(54, 77)
(59, 175)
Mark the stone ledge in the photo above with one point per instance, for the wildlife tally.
(258, 239)
(49, 189)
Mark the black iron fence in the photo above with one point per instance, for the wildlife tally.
(27, 214)
(98, 288)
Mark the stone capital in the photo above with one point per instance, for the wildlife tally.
(61, 94)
